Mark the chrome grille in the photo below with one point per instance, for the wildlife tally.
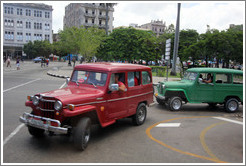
(46, 106)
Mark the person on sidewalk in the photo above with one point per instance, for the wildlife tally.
(8, 62)
(18, 63)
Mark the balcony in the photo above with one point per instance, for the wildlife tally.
(102, 17)
(90, 15)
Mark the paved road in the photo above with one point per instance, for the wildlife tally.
(192, 135)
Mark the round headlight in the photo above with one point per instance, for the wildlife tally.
(58, 105)
(35, 100)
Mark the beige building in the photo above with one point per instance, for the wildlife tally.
(158, 27)
(88, 15)
(24, 22)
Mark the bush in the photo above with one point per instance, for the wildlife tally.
(159, 71)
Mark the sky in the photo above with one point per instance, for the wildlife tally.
(193, 15)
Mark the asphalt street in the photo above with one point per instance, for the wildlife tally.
(196, 134)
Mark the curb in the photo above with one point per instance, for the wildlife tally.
(55, 75)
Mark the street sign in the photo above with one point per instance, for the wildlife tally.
(168, 49)
(167, 54)
(168, 41)
(168, 45)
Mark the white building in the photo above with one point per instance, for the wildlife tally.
(24, 22)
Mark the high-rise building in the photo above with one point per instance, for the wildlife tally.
(88, 15)
(24, 22)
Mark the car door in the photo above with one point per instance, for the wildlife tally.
(205, 91)
(117, 100)
(134, 91)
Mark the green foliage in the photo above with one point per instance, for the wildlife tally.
(38, 48)
(128, 44)
(159, 71)
(84, 41)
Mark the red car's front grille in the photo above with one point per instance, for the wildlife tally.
(46, 106)
(48, 114)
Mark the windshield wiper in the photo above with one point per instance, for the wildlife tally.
(93, 84)
(77, 83)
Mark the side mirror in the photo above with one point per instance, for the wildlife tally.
(67, 80)
(114, 87)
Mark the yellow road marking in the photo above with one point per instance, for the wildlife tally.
(178, 150)
(202, 139)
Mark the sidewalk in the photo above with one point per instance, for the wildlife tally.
(65, 72)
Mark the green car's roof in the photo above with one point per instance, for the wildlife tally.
(214, 70)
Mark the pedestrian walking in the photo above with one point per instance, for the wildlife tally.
(8, 62)
(18, 63)
(43, 62)
(74, 61)
(47, 62)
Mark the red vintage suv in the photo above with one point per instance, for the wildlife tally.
(92, 96)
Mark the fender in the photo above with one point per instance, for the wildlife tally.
(178, 90)
(78, 110)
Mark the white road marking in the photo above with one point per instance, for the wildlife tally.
(21, 85)
(12, 134)
(18, 128)
(168, 125)
(229, 120)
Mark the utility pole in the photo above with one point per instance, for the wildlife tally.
(176, 43)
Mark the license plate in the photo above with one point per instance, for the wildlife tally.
(37, 122)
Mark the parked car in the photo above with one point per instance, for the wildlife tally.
(226, 88)
(92, 96)
(37, 59)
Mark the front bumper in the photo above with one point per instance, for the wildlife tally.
(43, 123)
(160, 97)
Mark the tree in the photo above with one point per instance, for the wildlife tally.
(84, 41)
(38, 48)
(128, 44)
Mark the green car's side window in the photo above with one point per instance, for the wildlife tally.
(237, 79)
(223, 78)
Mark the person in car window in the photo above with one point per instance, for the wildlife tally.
(209, 78)
(122, 86)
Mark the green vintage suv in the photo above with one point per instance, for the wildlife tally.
(225, 87)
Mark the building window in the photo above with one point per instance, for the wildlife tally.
(47, 37)
(47, 26)
(86, 11)
(8, 10)
(100, 22)
(37, 25)
(37, 13)
(28, 25)
(92, 21)
(28, 12)
(19, 11)
(9, 35)
(86, 21)
(37, 36)
(19, 24)
(28, 37)
(19, 36)
(47, 14)
(93, 12)
(9, 23)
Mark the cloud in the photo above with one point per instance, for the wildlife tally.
(194, 15)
